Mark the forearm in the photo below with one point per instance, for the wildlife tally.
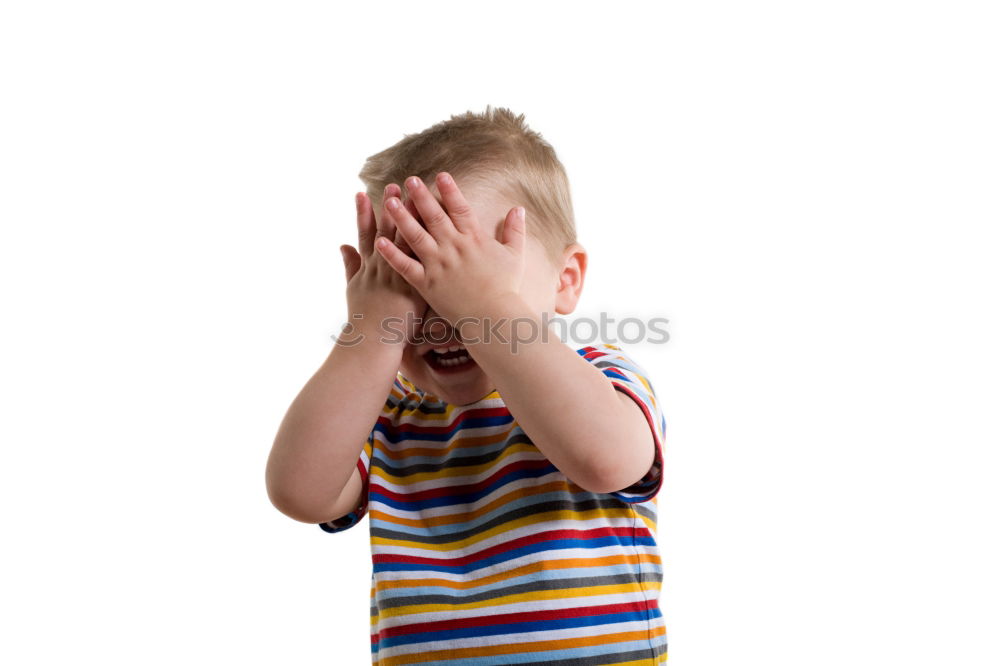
(569, 408)
(326, 426)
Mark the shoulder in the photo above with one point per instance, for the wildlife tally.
(615, 363)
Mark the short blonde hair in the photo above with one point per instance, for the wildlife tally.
(494, 148)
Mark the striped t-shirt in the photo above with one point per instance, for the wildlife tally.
(484, 553)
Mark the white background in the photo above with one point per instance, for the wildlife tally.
(808, 191)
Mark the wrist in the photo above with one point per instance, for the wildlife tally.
(508, 305)
(499, 321)
(373, 331)
(481, 306)
(364, 353)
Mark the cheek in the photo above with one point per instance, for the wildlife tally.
(537, 299)
(539, 289)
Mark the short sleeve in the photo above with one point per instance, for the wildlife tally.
(401, 388)
(627, 377)
(355, 516)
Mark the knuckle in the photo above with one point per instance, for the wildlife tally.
(461, 208)
(437, 219)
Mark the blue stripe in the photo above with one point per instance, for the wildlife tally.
(448, 500)
(552, 544)
(394, 436)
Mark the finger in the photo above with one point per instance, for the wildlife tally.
(352, 261)
(514, 229)
(411, 207)
(408, 268)
(401, 243)
(423, 244)
(435, 218)
(458, 208)
(386, 225)
(366, 223)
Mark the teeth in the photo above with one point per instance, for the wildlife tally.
(453, 361)
(453, 348)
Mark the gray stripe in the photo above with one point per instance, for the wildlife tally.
(452, 461)
(593, 502)
(407, 404)
(534, 586)
(653, 652)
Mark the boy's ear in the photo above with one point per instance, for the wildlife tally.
(574, 268)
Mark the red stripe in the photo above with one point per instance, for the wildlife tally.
(514, 618)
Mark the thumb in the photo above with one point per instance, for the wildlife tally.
(513, 229)
(352, 260)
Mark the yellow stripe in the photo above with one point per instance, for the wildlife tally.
(497, 603)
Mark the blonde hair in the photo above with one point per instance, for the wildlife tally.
(496, 149)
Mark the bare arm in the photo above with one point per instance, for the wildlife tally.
(326, 426)
(325, 429)
(535, 381)
(466, 274)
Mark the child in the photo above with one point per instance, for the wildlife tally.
(510, 479)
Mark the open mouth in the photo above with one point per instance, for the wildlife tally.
(451, 359)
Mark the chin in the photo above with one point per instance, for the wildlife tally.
(446, 372)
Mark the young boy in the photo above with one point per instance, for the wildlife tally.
(510, 479)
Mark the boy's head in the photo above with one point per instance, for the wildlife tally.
(494, 151)
(498, 163)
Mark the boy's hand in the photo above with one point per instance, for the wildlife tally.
(374, 290)
(459, 268)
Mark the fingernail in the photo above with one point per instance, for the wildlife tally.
(445, 178)
(393, 203)
(413, 183)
